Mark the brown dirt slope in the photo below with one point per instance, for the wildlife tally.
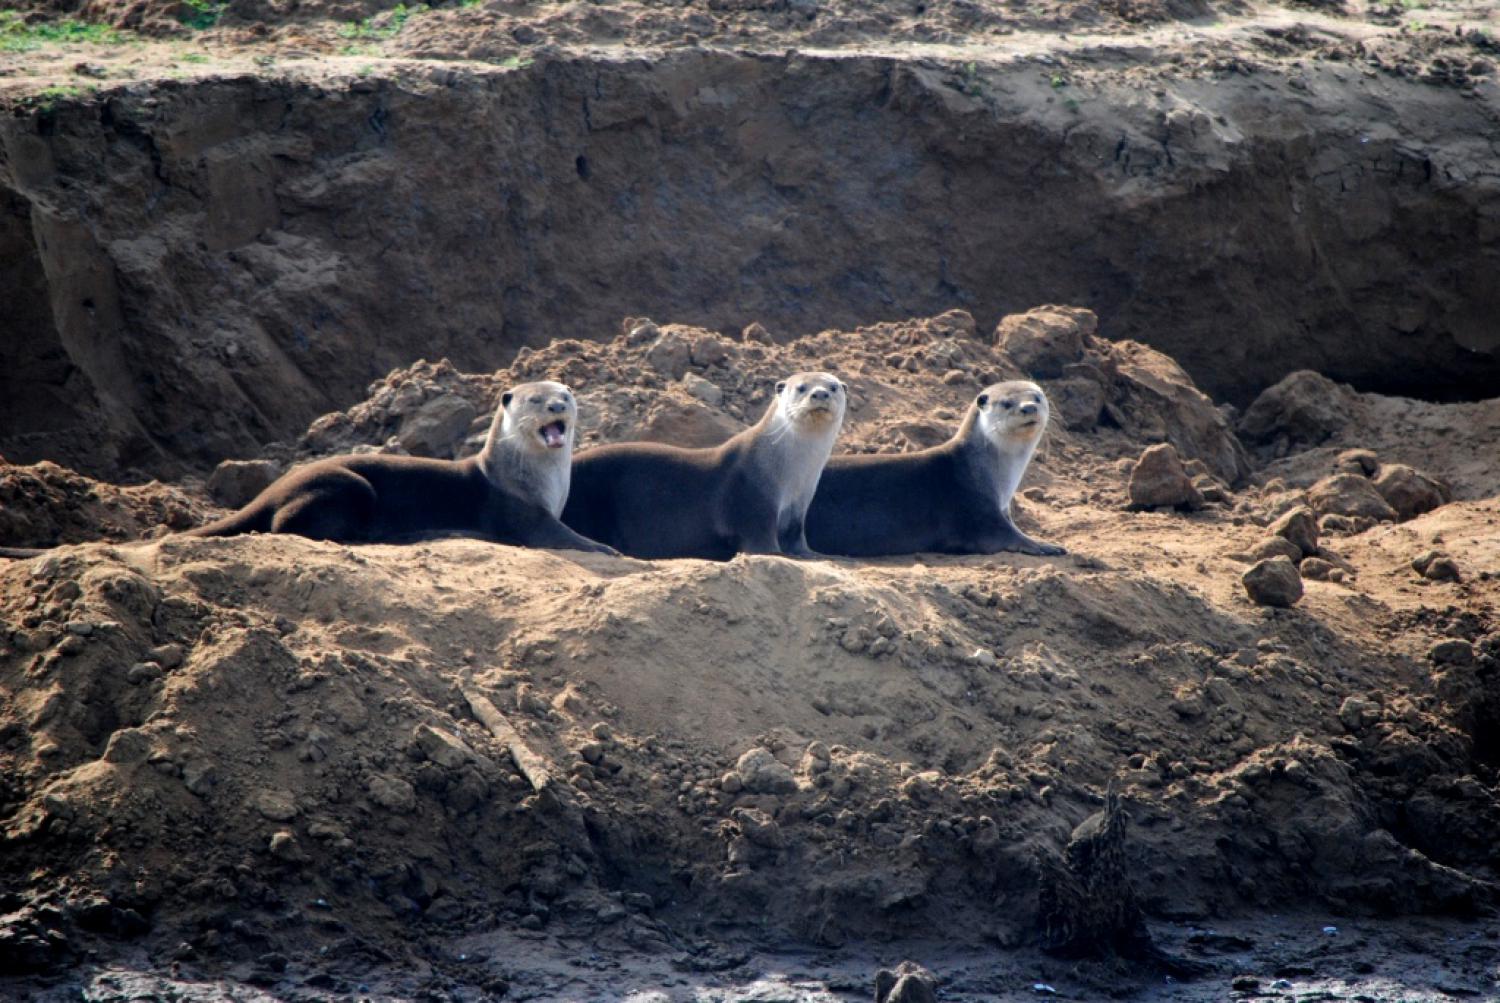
(261, 747)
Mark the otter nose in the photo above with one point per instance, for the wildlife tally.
(557, 407)
(820, 395)
(1028, 409)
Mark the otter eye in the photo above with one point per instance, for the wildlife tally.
(802, 389)
(984, 399)
(536, 400)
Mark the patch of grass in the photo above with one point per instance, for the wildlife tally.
(365, 70)
(1059, 81)
(193, 57)
(1415, 4)
(516, 62)
(202, 14)
(357, 50)
(18, 36)
(383, 26)
(47, 99)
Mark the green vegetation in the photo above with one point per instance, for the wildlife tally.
(18, 36)
(1059, 81)
(194, 57)
(202, 14)
(516, 63)
(46, 99)
(383, 26)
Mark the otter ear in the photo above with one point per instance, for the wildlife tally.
(780, 386)
(505, 399)
(843, 386)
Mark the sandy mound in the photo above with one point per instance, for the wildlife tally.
(257, 747)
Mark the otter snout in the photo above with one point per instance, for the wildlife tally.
(821, 395)
(1028, 409)
(558, 407)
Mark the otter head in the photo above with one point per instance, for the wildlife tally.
(1012, 414)
(540, 417)
(812, 401)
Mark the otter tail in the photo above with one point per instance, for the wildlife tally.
(253, 518)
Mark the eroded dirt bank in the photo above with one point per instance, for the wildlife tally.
(268, 757)
(196, 267)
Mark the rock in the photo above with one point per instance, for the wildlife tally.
(1305, 408)
(143, 672)
(953, 324)
(437, 427)
(199, 777)
(1044, 340)
(1300, 526)
(1350, 495)
(447, 751)
(128, 745)
(1436, 566)
(1154, 399)
(392, 793)
(1273, 582)
(284, 846)
(1357, 461)
(702, 389)
(1343, 525)
(709, 350)
(755, 334)
(670, 355)
(168, 656)
(1077, 402)
(922, 788)
(1356, 713)
(1158, 480)
(1275, 546)
(1452, 651)
(909, 983)
(730, 783)
(759, 828)
(235, 482)
(762, 773)
(1316, 569)
(275, 805)
(1410, 492)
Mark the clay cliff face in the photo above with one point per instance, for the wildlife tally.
(194, 270)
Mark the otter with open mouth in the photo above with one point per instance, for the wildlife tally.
(950, 499)
(747, 495)
(512, 491)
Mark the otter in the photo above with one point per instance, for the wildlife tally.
(951, 499)
(512, 491)
(748, 495)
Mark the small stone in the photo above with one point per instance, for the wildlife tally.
(392, 793)
(1045, 340)
(72, 644)
(612, 912)
(1316, 569)
(955, 377)
(437, 427)
(284, 846)
(1245, 983)
(447, 751)
(143, 672)
(1158, 480)
(698, 387)
(1273, 582)
(1356, 713)
(1300, 527)
(908, 983)
(236, 482)
(128, 745)
(670, 355)
(759, 828)
(763, 773)
(755, 333)
(1436, 566)
(168, 656)
(730, 783)
(82, 628)
(1275, 546)
(275, 805)
(709, 351)
(199, 778)
(1410, 492)
(592, 753)
(1343, 525)
(1078, 401)
(984, 658)
(602, 732)
(1451, 651)
(1363, 462)
(1349, 495)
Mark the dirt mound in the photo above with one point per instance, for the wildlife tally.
(257, 748)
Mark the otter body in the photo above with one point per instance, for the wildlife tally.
(748, 495)
(951, 499)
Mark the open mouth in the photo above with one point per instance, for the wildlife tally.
(555, 434)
